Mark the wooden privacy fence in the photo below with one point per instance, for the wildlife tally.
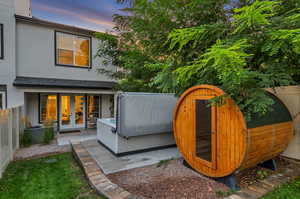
(10, 127)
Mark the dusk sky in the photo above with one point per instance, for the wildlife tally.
(90, 14)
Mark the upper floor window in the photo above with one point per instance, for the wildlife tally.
(1, 42)
(73, 50)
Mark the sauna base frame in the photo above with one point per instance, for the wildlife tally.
(230, 181)
(269, 164)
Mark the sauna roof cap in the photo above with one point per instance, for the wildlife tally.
(278, 114)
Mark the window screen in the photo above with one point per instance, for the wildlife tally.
(203, 130)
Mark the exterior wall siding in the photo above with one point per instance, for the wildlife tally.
(29, 50)
(106, 106)
(7, 65)
(32, 108)
(36, 55)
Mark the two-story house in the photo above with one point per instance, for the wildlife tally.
(51, 70)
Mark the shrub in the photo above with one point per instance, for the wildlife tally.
(48, 135)
(262, 174)
(26, 139)
(48, 131)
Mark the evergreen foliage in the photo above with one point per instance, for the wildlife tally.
(241, 46)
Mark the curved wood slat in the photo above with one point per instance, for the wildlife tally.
(235, 146)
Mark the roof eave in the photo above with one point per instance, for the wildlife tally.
(37, 21)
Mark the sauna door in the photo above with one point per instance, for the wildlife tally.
(205, 131)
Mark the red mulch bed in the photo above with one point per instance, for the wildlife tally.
(172, 180)
(175, 181)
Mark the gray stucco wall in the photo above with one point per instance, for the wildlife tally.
(7, 65)
(106, 105)
(29, 51)
(32, 108)
(36, 57)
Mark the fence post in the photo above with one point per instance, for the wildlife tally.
(10, 133)
(1, 153)
(18, 120)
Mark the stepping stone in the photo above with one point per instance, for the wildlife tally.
(258, 189)
(234, 196)
(248, 194)
(270, 183)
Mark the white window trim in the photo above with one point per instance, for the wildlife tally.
(74, 36)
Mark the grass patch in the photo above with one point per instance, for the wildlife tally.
(287, 191)
(220, 193)
(164, 163)
(53, 177)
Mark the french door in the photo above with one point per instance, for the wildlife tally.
(72, 111)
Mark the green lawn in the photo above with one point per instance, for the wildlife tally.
(287, 191)
(53, 177)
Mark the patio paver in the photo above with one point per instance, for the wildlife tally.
(96, 177)
(83, 135)
(39, 150)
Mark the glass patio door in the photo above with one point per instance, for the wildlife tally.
(72, 111)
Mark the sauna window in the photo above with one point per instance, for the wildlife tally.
(203, 130)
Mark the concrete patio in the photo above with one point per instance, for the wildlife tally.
(112, 164)
(76, 137)
(108, 162)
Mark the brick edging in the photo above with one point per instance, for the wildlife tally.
(97, 178)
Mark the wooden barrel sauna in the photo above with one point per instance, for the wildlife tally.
(217, 141)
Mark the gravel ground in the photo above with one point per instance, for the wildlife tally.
(40, 150)
(171, 180)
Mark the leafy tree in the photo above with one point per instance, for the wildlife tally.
(241, 46)
(142, 36)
